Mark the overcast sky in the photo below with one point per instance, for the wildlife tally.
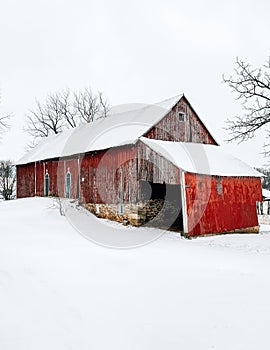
(141, 51)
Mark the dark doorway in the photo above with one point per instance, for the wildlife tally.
(165, 203)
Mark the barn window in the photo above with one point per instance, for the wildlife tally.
(219, 185)
(181, 116)
(219, 189)
(68, 184)
(47, 184)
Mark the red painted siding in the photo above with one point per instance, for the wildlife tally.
(109, 176)
(211, 212)
(99, 177)
(26, 180)
(51, 169)
(171, 129)
(40, 179)
(68, 166)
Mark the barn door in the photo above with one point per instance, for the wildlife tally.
(68, 181)
(47, 184)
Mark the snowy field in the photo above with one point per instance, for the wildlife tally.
(59, 290)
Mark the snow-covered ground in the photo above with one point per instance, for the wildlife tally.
(59, 290)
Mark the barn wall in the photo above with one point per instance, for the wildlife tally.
(67, 166)
(211, 212)
(99, 177)
(104, 174)
(25, 180)
(57, 170)
(51, 169)
(171, 129)
(109, 176)
(154, 168)
(40, 178)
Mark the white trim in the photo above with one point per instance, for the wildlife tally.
(184, 201)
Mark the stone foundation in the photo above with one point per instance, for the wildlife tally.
(128, 216)
(131, 214)
(147, 212)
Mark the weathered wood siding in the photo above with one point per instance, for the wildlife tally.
(154, 168)
(51, 169)
(99, 177)
(171, 129)
(65, 166)
(26, 180)
(40, 173)
(109, 176)
(56, 170)
(221, 204)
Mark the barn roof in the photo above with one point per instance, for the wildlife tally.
(125, 125)
(201, 158)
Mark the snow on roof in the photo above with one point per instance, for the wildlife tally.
(126, 108)
(125, 125)
(200, 158)
(266, 193)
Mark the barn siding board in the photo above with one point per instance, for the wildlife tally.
(154, 168)
(40, 179)
(109, 176)
(210, 212)
(26, 180)
(63, 166)
(51, 168)
(100, 177)
(171, 129)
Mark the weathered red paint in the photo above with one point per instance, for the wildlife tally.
(40, 166)
(109, 176)
(65, 166)
(192, 130)
(211, 212)
(98, 177)
(26, 180)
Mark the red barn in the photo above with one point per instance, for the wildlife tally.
(153, 164)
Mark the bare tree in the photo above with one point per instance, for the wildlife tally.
(46, 119)
(70, 114)
(87, 105)
(104, 106)
(252, 88)
(90, 106)
(7, 180)
(65, 110)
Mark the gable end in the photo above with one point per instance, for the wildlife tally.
(181, 124)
